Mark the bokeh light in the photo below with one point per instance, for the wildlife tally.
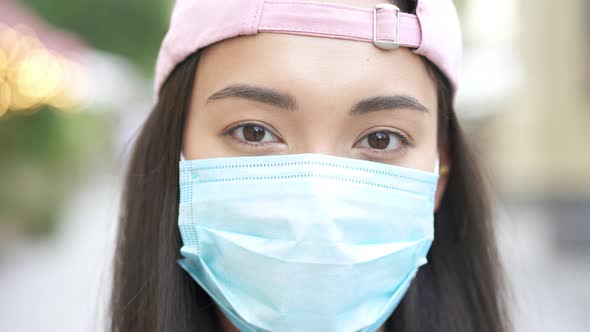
(31, 74)
(39, 75)
(4, 97)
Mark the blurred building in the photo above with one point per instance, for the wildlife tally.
(540, 142)
(526, 103)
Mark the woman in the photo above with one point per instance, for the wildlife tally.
(308, 199)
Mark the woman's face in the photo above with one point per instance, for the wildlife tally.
(287, 94)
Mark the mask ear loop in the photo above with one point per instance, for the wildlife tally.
(437, 164)
(181, 156)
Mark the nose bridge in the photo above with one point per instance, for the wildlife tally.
(322, 144)
(323, 125)
(321, 136)
(321, 149)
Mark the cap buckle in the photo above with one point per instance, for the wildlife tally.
(382, 43)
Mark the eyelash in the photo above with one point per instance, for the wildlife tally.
(229, 131)
(405, 141)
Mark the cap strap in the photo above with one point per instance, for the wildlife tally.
(341, 21)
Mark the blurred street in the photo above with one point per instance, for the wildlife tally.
(62, 282)
(549, 287)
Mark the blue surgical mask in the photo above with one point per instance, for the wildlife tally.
(305, 242)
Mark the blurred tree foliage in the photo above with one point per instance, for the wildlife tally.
(43, 152)
(131, 28)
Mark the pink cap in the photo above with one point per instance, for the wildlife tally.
(434, 31)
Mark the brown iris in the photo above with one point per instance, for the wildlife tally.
(379, 140)
(253, 133)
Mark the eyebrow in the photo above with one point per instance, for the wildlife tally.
(264, 95)
(287, 102)
(394, 102)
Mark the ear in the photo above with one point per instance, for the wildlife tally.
(444, 172)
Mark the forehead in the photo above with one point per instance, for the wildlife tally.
(316, 70)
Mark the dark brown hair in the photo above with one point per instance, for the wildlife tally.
(458, 290)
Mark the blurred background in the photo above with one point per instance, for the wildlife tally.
(75, 85)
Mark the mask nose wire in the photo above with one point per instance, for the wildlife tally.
(436, 162)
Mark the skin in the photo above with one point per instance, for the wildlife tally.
(325, 78)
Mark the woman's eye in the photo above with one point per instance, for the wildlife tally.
(252, 133)
(382, 140)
